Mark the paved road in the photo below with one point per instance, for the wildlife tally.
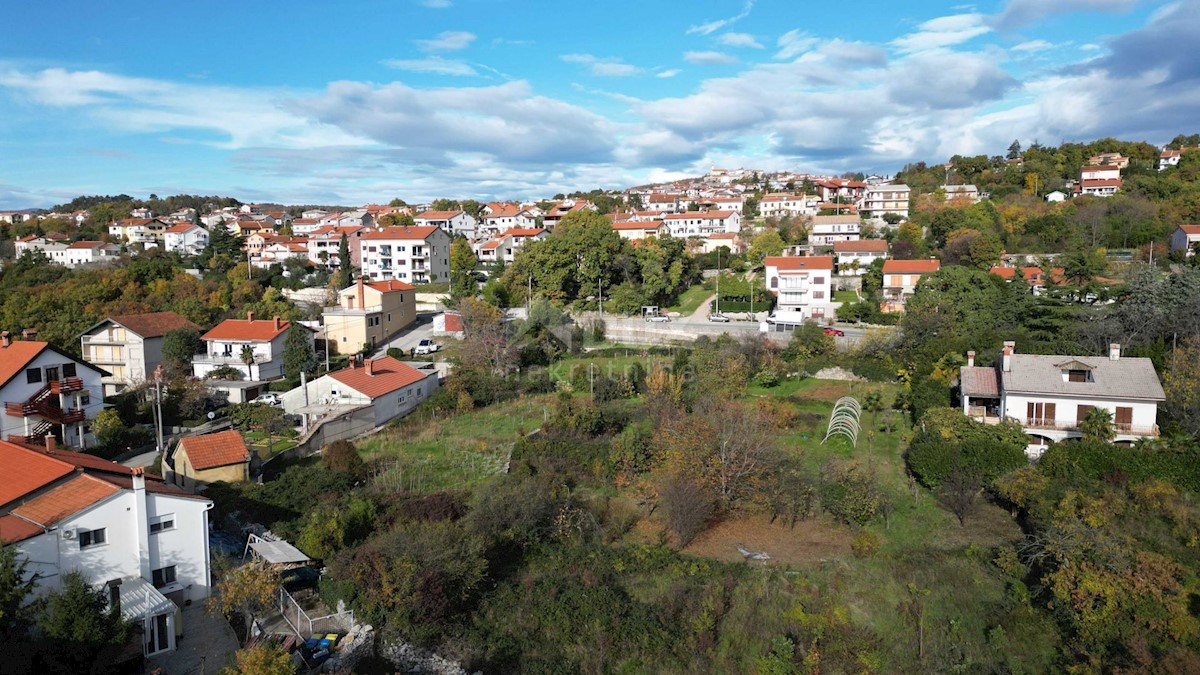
(410, 336)
(702, 326)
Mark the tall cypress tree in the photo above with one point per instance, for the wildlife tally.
(344, 272)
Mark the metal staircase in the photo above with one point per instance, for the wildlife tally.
(44, 405)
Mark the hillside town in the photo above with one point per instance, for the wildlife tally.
(378, 437)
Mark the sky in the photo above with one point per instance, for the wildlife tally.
(316, 102)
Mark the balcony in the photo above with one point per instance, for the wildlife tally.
(103, 340)
(49, 412)
(226, 359)
(66, 385)
(1120, 429)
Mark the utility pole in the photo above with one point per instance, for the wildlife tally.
(158, 419)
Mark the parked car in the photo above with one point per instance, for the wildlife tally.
(658, 318)
(830, 330)
(427, 346)
(719, 318)
(269, 398)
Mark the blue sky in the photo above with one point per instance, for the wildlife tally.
(351, 102)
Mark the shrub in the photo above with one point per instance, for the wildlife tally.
(949, 441)
(865, 544)
(432, 508)
(850, 496)
(767, 377)
(689, 507)
(341, 456)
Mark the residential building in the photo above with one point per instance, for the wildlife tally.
(1169, 158)
(1103, 172)
(47, 392)
(199, 460)
(900, 279)
(961, 193)
(723, 204)
(780, 205)
(304, 226)
(185, 239)
(448, 324)
(369, 313)
(145, 231)
(505, 246)
(324, 244)
(454, 222)
(1056, 196)
(1034, 276)
(711, 243)
(144, 541)
(390, 387)
(279, 249)
(560, 209)
(878, 200)
(417, 255)
(252, 347)
(639, 229)
(831, 190)
(1109, 159)
(702, 223)
(81, 253)
(1051, 396)
(854, 257)
(503, 217)
(1099, 188)
(665, 203)
(129, 346)
(1185, 238)
(801, 285)
(829, 229)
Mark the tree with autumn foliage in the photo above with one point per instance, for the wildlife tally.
(247, 590)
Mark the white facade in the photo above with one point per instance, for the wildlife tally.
(829, 229)
(778, 206)
(71, 387)
(454, 222)
(387, 406)
(880, 199)
(88, 252)
(802, 285)
(854, 260)
(268, 358)
(185, 240)
(701, 224)
(418, 255)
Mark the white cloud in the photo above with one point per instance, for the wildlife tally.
(709, 58)
(1032, 46)
(604, 67)
(713, 26)
(739, 40)
(944, 31)
(447, 41)
(793, 43)
(1024, 12)
(670, 72)
(433, 64)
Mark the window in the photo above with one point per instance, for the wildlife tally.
(163, 576)
(1040, 414)
(774, 282)
(1077, 376)
(161, 523)
(818, 295)
(68, 370)
(1124, 418)
(85, 399)
(33, 375)
(91, 538)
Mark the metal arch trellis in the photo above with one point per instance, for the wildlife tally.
(844, 420)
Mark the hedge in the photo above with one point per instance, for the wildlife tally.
(1099, 460)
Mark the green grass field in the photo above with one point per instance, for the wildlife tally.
(845, 296)
(690, 300)
(456, 452)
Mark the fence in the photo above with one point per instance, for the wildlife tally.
(305, 626)
(338, 428)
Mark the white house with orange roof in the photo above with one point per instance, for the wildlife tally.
(390, 387)
(665, 203)
(900, 279)
(702, 223)
(47, 392)
(1185, 238)
(827, 230)
(802, 286)
(504, 216)
(417, 255)
(639, 229)
(556, 213)
(253, 347)
(780, 205)
(454, 222)
(185, 239)
(143, 541)
(145, 231)
(505, 246)
(855, 256)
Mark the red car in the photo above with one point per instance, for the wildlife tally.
(829, 330)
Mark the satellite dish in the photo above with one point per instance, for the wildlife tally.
(212, 415)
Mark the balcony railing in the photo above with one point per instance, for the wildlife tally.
(1053, 425)
(66, 385)
(225, 359)
(50, 412)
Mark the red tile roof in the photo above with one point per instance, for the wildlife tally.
(389, 286)
(702, 215)
(180, 228)
(86, 244)
(454, 322)
(977, 381)
(415, 232)
(1033, 274)
(387, 376)
(16, 356)
(637, 225)
(66, 500)
(153, 324)
(245, 330)
(861, 246)
(799, 263)
(911, 266)
(213, 450)
(14, 529)
(523, 232)
(26, 470)
(1190, 229)
(438, 215)
(491, 245)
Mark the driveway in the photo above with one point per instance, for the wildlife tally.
(410, 336)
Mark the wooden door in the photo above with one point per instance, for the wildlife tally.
(1124, 418)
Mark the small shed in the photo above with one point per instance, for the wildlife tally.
(222, 456)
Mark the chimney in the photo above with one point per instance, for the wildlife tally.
(5, 339)
(1009, 344)
(141, 523)
(971, 359)
(29, 334)
(369, 365)
(1006, 359)
(1114, 352)
(250, 315)
(362, 303)
(278, 323)
(51, 443)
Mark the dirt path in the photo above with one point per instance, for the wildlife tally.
(701, 312)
